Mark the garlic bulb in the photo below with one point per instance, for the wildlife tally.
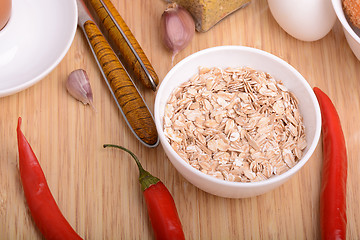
(78, 86)
(177, 27)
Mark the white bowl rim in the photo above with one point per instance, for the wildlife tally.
(341, 16)
(270, 181)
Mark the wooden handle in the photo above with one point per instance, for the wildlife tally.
(130, 101)
(134, 57)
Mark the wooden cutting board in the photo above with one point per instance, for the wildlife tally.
(97, 189)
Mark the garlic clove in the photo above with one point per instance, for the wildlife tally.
(78, 85)
(177, 28)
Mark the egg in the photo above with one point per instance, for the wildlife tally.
(306, 20)
(5, 11)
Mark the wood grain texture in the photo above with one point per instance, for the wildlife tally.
(135, 60)
(97, 189)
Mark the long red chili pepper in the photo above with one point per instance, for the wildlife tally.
(160, 204)
(44, 210)
(333, 183)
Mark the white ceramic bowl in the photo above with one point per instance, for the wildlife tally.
(238, 56)
(351, 33)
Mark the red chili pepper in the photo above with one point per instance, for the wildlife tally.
(160, 204)
(44, 210)
(333, 183)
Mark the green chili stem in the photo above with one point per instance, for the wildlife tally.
(141, 169)
(145, 178)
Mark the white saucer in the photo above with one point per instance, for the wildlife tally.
(34, 41)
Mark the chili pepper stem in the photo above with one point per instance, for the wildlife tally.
(141, 169)
(145, 178)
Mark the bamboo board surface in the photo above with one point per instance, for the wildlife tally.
(97, 189)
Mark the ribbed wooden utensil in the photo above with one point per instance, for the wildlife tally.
(125, 93)
(129, 50)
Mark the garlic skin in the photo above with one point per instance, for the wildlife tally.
(177, 27)
(78, 86)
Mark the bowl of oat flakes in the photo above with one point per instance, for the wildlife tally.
(236, 121)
